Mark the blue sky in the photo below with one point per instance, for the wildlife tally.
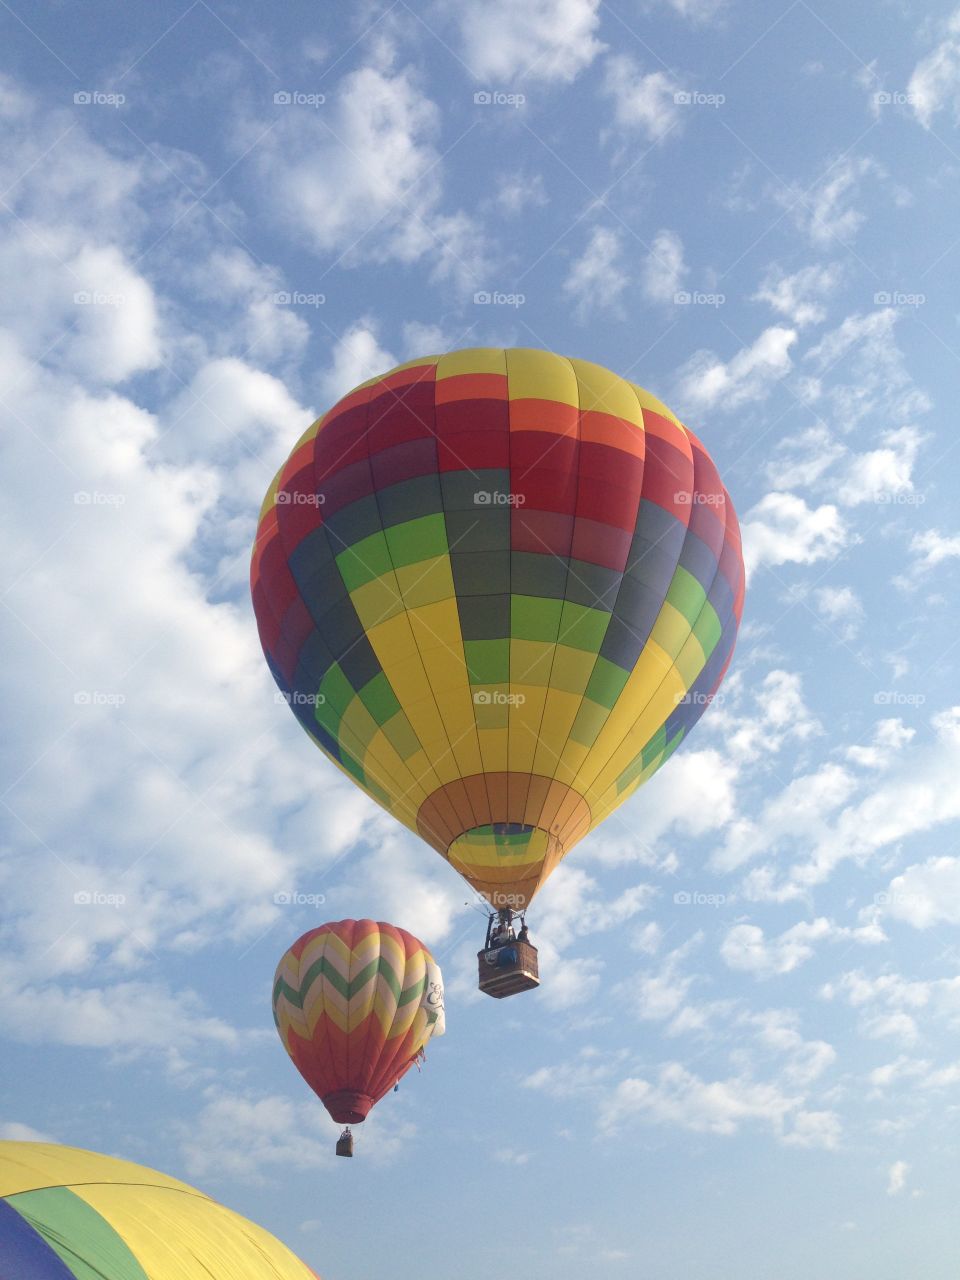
(743, 1060)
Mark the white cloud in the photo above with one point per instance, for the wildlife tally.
(664, 269)
(14, 1131)
(925, 894)
(519, 191)
(878, 386)
(782, 529)
(363, 178)
(933, 548)
(356, 356)
(707, 382)
(880, 475)
(685, 1101)
(801, 809)
(799, 296)
(540, 40)
(841, 609)
(897, 1177)
(748, 950)
(596, 280)
(935, 82)
(889, 739)
(645, 103)
(827, 212)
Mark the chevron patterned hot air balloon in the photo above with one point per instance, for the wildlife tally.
(355, 1002)
(67, 1214)
(498, 588)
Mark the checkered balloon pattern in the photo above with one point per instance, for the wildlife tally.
(498, 588)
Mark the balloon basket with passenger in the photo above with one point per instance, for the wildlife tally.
(508, 961)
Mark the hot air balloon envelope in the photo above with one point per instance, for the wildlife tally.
(498, 588)
(67, 1214)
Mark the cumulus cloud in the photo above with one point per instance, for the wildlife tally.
(645, 103)
(782, 529)
(14, 1131)
(683, 1100)
(799, 296)
(597, 278)
(747, 949)
(828, 212)
(706, 382)
(841, 609)
(897, 1177)
(664, 269)
(366, 184)
(935, 81)
(551, 40)
(933, 548)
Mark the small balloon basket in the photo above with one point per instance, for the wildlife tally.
(508, 962)
(345, 1143)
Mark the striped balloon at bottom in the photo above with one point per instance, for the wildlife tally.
(67, 1214)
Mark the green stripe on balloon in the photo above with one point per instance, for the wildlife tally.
(63, 1219)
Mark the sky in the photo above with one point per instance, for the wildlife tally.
(217, 218)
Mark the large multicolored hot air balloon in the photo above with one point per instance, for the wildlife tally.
(67, 1214)
(498, 588)
(355, 1002)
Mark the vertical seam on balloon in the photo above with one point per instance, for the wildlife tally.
(656, 689)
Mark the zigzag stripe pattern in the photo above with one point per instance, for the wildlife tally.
(355, 1002)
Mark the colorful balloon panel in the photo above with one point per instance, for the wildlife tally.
(498, 588)
(67, 1214)
(355, 1002)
